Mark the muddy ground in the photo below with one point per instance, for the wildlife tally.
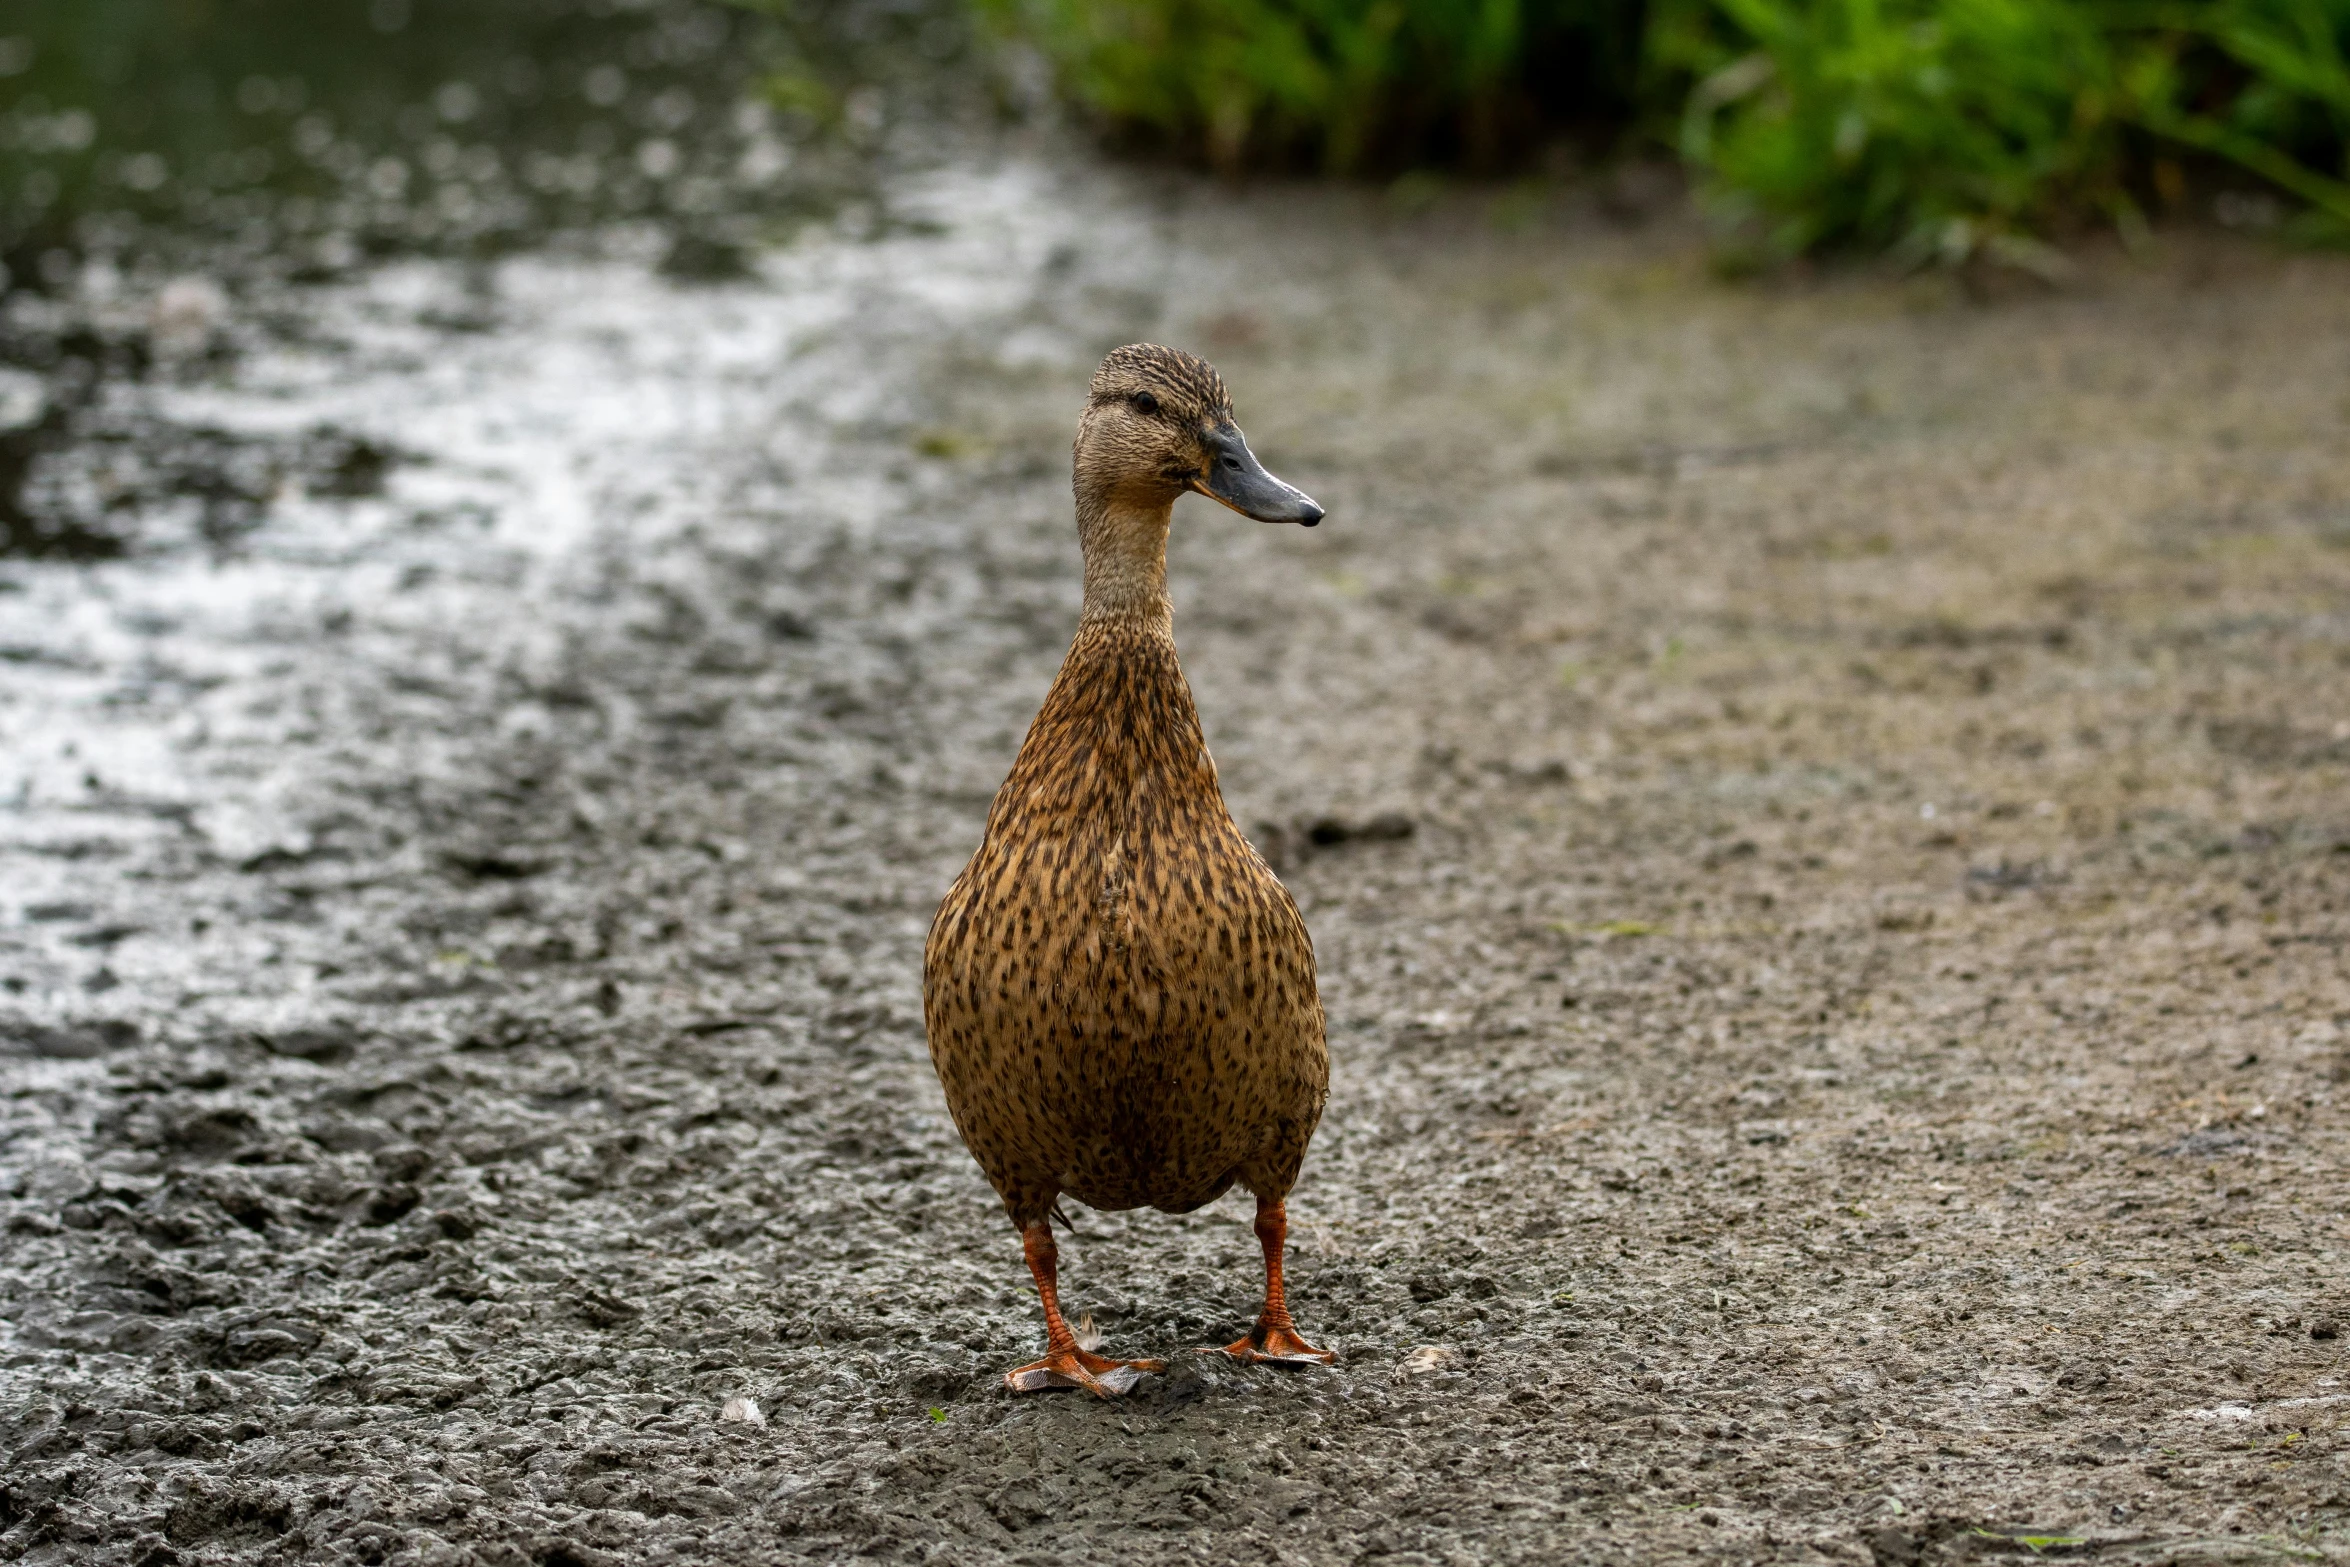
(1847, 1062)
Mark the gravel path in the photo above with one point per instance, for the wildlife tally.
(1823, 809)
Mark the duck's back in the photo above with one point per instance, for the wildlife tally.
(1119, 993)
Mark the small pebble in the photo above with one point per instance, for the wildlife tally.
(188, 311)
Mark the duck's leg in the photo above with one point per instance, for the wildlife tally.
(1275, 1337)
(1064, 1364)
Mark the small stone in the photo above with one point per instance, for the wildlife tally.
(1893, 1548)
(391, 1202)
(1187, 1380)
(187, 313)
(744, 1411)
(403, 1163)
(24, 400)
(603, 1309)
(1430, 1357)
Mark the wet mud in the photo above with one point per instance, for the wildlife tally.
(1822, 809)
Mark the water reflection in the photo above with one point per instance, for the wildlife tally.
(323, 132)
(184, 154)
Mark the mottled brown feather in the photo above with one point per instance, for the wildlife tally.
(1119, 993)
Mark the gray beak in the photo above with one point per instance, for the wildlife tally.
(1236, 478)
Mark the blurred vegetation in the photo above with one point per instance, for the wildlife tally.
(1941, 129)
(1944, 129)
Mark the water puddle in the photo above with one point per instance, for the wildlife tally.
(170, 187)
(309, 139)
(428, 487)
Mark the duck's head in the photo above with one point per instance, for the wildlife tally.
(1159, 422)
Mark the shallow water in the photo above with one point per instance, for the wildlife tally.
(274, 135)
(528, 420)
(167, 176)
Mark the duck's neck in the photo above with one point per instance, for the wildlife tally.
(1126, 569)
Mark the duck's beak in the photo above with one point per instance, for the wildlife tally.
(1236, 478)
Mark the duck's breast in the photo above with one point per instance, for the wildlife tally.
(1127, 1013)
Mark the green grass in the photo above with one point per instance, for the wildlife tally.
(1931, 127)
(1936, 129)
(1944, 130)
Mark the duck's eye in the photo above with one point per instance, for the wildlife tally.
(1144, 403)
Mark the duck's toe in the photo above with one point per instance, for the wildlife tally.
(1097, 1374)
(1277, 1344)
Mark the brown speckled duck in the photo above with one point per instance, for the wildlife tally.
(1119, 992)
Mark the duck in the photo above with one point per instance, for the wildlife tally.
(1119, 993)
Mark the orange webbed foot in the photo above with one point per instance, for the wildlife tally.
(1277, 1344)
(1097, 1374)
